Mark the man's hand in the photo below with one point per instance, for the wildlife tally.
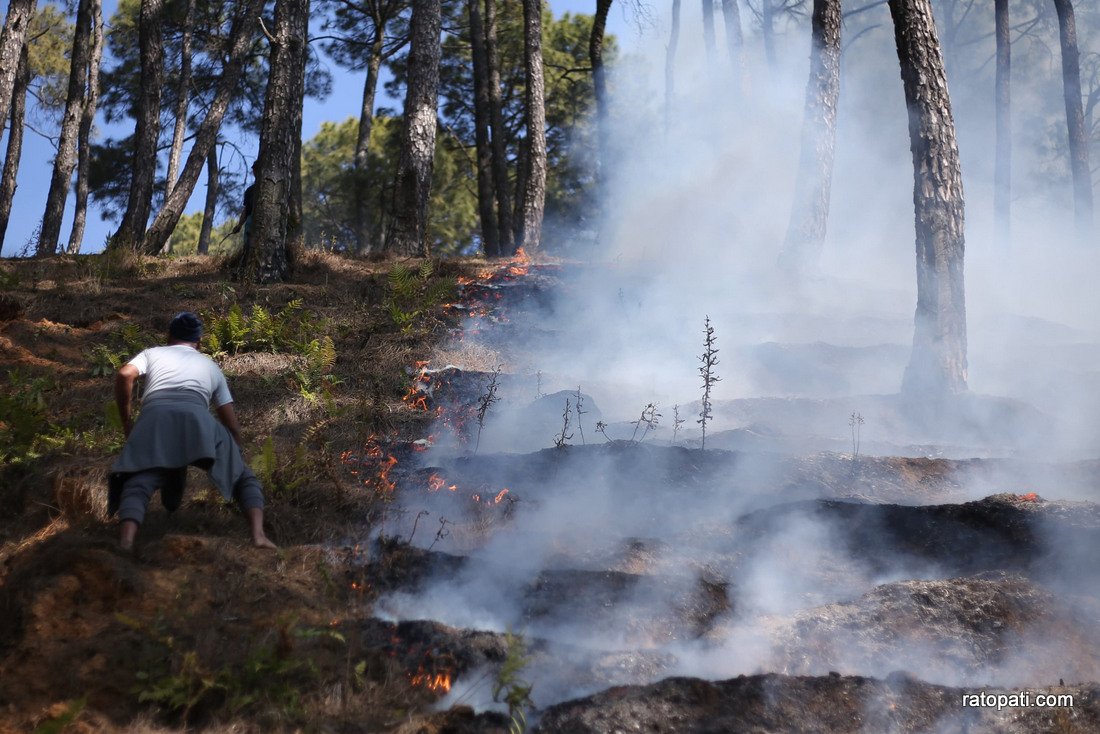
(228, 417)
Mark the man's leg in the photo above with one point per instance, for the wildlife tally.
(136, 493)
(249, 496)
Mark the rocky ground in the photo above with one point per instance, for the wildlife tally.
(614, 583)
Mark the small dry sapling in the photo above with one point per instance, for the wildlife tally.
(709, 359)
(486, 401)
(562, 439)
(677, 421)
(580, 411)
(855, 422)
(649, 418)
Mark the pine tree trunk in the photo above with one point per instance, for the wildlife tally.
(767, 31)
(408, 231)
(211, 206)
(84, 133)
(810, 212)
(599, 88)
(708, 31)
(485, 194)
(501, 183)
(670, 65)
(131, 231)
(937, 366)
(240, 42)
(362, 143)
(265, 258)
(15, 142)
(65, 160)
(1002, 174)
(735, 41)
(183, 98)
(1075, 119)
(296, 233)
(534, 190)
(12, 40)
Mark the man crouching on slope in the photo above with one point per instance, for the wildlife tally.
(176, 430)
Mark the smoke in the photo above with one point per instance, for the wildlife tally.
(631, 543)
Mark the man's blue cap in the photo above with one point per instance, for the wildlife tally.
(186, 327)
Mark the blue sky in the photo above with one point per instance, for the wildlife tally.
(343, 102)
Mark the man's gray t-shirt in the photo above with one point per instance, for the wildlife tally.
(182, 367)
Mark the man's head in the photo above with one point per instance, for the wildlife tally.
(185, 327)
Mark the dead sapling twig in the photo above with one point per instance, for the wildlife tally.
(562, 439)
(649, 418)
(538, 385)
(677, 421)
(486, 401)
(855, 421)
(416, 520)
(442, 533)
(601, 428)
(709, 359)
(580, 411)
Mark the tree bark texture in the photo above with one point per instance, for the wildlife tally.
(65, 160)
(362, 142)
(735, 41)
(266, 255)
(244, 26)
(670, 65)
(534, 190)
(12, 40)
(1075, 119)
(599, 88)
(15, 141)
(708, 31)
(211, 205)
(485, 194)
(183, 98)
(937, 366)
(84, 132)
(810, 211)
(1002, 173)
(408, 231)
(501, 183)
(147, 130)
(295, 236)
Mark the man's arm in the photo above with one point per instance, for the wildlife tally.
(228, 417)
(124, 390)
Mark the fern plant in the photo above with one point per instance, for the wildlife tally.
(412, 293)
(509, 687)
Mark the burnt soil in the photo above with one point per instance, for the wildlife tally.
(925, 579)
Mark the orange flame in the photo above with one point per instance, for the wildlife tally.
(435, 483)
(1029, 497)
(500, 496)
(440, 682)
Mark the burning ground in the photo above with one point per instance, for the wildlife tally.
(440, 508)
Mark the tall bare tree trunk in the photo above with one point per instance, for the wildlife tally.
(183, 98)
(15, 142)
(501, 184)
(708, 31)
(767, 31)
(12, 40)
(810, 212)
(534, 190)
(87, 118)
(1002, 174)
(143, 173)
(296, 233)
(211, 205)
(937, 366)
(266, 255)
(735, 41)
(599, 86)
(485, 194)
(362, 142)
(65, 160)
(1075, 119)
(670, 64)
(240, 42)
(408, 233)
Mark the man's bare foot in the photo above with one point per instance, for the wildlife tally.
(127, 533)
(262, 542)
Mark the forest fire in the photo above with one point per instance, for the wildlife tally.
(436, 682)
(436, 483)
(377, 462)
